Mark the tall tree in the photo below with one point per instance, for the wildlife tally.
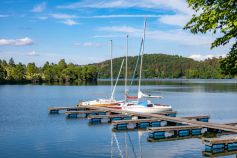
(31, 71)
(2, 73)
(11, 62)
(217, 16)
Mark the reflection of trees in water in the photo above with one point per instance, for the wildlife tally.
(183, 85)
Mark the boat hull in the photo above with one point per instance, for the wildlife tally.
(141, 109)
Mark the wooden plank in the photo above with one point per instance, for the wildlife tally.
(225, 140)
(172, 128)
(84, 112)
(231, 124)
(153, 120)
(134, 121)
(196, 117)
(106, 116)
(66, 108)
(171, 119)
(167, 112)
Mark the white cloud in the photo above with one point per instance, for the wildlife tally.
(88, 44)
(69, 22)
(123, 29)
(43, 17)
(39, 8)
(178, 36)
(67, 18)
(91, 44)
(62, 16)
(200, 57)
(32, 53)
(108, 36)
(16, 42)
(4, 15)
(179, 5)
(126, 16)
(177, 19)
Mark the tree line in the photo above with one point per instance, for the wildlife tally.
(167, 66)
(49, 72)
(154, 66)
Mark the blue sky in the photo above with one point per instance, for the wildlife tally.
(79, 31)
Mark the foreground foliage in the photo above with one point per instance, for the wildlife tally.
(218, 17)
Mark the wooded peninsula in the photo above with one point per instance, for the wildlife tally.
(154, 66)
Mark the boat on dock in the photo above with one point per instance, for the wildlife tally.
(110, 102)
(139, 105)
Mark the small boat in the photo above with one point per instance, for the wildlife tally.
(142, 106)
(106, 102)
(101, 102)
(145, 107)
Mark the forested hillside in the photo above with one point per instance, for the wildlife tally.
(166, 66)
(154, 66)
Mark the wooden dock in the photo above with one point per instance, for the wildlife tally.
(220, 144)
(183, 127)
(176, 131)
(57, 109)
(223, 127)
(73, 114)
(172, 128)
(218, 126)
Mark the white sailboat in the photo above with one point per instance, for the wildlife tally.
(111, 102)
(143, 106)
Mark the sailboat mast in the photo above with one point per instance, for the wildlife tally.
(111, 66)
(143, 47)
(126, 71)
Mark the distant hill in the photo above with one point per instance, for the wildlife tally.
(164, 66)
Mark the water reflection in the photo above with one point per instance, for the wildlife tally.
(28, 130)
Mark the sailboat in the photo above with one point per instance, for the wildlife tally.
(142, 106)
(111, 102)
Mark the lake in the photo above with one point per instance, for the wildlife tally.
(28, 130)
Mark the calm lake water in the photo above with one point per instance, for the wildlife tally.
(27, 130)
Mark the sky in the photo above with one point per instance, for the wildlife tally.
(79, 31)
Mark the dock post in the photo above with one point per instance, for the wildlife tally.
(143, 125)
(157, 135)
(122, 126)
(196, 132)
(73, 115)
(155, 124)
(231, 146)
(203, 119)
(95, 120)
(54, 111)
(183, 133)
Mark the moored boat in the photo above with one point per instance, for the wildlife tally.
(142, 106)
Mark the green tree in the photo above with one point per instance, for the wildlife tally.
(19, 72)
(11, 62)
(2, 73)
(31, 71)
(217, 16)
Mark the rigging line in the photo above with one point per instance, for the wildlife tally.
(111, 65)
(126, 145)
(112, 95)
(143, 48)
(130, 140)
(116, 140)
(135, 68)
(112, 145)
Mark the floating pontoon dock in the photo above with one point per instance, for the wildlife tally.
(157, 124)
